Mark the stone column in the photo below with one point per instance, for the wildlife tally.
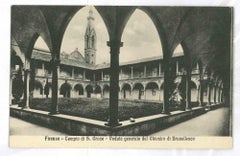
(26, 88)
(102, 75)
(73, 73)
(209, 93)
(177, 68)
(114, 82)
(200, 93)
(145, 71)
(84, 75)
(188, 88)
(131, 72)
(159, 69)
(167, 83)
(219, 95)
(121, 74)
(55, 73)
(215, 94)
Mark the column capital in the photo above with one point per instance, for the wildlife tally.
(114, 45)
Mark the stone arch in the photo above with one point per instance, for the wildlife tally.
(145, 15)
(138, 91)
(126, 91)
(78, 90)
(89, 90)
(38, 89)
(106, 90)
(98, 91)
(152, 91)
(65, 89)
(71, 15)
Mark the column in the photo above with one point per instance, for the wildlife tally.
(26, 88)
(215, 95)
(102, 75)
(159, 69)
(94, 77)
(131, 72)
(219, 95)
(177, 68)
(121, 74)
(167, 82)
(145, 71)
(114, 82)
(55, 72)
(188, 89)
(84, 75)
(200, 93)
(73, 73)
(209, 93)
(43, 68)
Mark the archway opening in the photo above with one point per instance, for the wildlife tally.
(78, 90)
(106, 90)
(77, 42)
(126, 91)
(38, 89)
(89, 90)
(152, 91)
(138, 91)
(65, 90)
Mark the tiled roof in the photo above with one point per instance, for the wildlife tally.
(46, 56)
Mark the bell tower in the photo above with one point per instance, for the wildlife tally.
(90, 39)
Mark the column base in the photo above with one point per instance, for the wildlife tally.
(165, 112)
(25, 107)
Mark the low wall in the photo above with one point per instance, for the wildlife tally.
(81, 126)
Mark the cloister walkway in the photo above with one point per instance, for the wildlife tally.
(213, 123)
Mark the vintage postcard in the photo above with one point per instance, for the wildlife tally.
(121, 77)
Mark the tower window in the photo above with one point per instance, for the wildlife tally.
(92, 55)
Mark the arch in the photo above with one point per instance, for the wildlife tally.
(16, 50)
(138, 91)
(65, 89)
(76, 18)
(152, 91)
(126, 91)
(16, 61)
(38, 89)
(136, 23)
(89, 90)
(78, 90)
(106, 90)
(97, 89)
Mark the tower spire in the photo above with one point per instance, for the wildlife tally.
(90, 39)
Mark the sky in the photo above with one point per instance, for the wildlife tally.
(140, 38)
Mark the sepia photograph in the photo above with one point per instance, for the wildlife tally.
(160, 76)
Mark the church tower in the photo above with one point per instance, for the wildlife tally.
(90, 39)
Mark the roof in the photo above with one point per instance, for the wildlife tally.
(46, 56)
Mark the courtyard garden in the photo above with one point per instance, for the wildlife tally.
(98, 108)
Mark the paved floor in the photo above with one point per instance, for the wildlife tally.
(20, 127)
(213, 123)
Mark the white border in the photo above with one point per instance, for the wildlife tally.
(4, 81)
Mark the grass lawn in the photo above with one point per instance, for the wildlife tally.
(98, 108)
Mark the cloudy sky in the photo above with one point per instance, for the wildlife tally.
(140, 37)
